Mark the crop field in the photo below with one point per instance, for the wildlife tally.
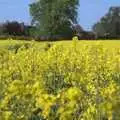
(110, 44)
(66, 80)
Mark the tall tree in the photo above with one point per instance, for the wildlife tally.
(51, 16)
(109, 25)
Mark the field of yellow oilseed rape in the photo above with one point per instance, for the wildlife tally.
(77, 80)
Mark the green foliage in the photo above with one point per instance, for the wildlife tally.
(60, 83)
(51, 16)
(109, 25)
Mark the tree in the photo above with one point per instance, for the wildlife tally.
(109, 25)
(14, 28)
(51, 16)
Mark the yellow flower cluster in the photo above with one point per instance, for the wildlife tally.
(60, 83)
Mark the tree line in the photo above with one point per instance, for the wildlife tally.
(57, 19)
(15, 28)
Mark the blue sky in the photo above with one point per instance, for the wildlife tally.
(90, 11)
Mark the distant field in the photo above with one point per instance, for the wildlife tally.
(106, 43)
